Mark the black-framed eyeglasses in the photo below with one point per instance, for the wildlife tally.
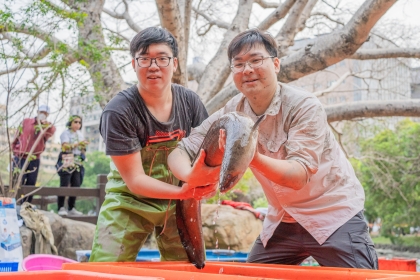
(255, 62)
(162, 61)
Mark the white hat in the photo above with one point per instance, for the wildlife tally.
(44, 108)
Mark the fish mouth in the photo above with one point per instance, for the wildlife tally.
(228, 182)
(199, 265)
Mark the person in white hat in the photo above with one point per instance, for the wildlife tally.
(25, 138)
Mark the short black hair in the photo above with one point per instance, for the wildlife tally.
(153, 35)
(71, 119)
(249, 39)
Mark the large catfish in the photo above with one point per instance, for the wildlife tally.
(241, 142)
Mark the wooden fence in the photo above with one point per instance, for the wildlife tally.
(49, 195)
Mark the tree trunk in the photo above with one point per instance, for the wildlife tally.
(171, 19)
(107, 80)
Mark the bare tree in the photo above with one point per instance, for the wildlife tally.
(92, 57)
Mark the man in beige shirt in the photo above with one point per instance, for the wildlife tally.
(315, 200)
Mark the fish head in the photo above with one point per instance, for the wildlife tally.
(239, 151)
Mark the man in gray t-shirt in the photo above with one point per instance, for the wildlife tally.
(140, 126)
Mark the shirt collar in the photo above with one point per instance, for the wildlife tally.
(272, 110)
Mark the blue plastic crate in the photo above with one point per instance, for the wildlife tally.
(8, 266)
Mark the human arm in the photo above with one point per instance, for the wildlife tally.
(287, 173)
(198, 174)
(131, 169)
(307, 128)
(50, 131)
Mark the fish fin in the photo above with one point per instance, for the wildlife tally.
(257, 123)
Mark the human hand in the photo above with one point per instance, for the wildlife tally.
(199, 193)
(201, 174)
(83, 143)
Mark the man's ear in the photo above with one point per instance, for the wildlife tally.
(133, 63)
(175, 63)
(276, 61)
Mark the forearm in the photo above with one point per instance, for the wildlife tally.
(180, 164)
(287, 173)
(147, 186)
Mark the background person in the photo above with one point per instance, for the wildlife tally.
(70, 163)
(315, 200)
(25, 138)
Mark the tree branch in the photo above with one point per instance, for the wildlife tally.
(221, 98)
(126, 16)
(267, 5)
(118, 34)
(279, 13)
(336, 46)
(364, 54)
(217, 71)
(325, 15)
(288, 31)
(306, 13)
(333, 86)
(18, 67)
(372, 109)
(46, 37)
(218, 23)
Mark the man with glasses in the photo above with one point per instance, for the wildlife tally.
(140, 127)
(315, 201)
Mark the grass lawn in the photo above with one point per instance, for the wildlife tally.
(381, 240)
(402, 240)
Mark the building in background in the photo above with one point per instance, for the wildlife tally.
(49, 157)
(359, 80)
(415, 83)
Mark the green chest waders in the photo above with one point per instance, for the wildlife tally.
(126, 219)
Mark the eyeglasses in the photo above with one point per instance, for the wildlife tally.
(77, 122)
(162, 61)
(254, 62)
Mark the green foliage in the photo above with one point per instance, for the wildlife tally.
(381, 240)
(243, 185)
(97, 163)
(260, 202)
(389, 171)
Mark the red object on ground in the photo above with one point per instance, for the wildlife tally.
(173, 270)
(243, 206)
(397, 264)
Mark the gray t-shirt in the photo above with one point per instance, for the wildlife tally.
(70, 137)
(127, 125)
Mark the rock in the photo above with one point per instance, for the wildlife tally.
(78, 236)
(225, 227)
(69, 236)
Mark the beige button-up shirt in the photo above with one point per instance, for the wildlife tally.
(295, 128)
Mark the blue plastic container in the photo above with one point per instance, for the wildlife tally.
(147, 255)
(9, 266)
